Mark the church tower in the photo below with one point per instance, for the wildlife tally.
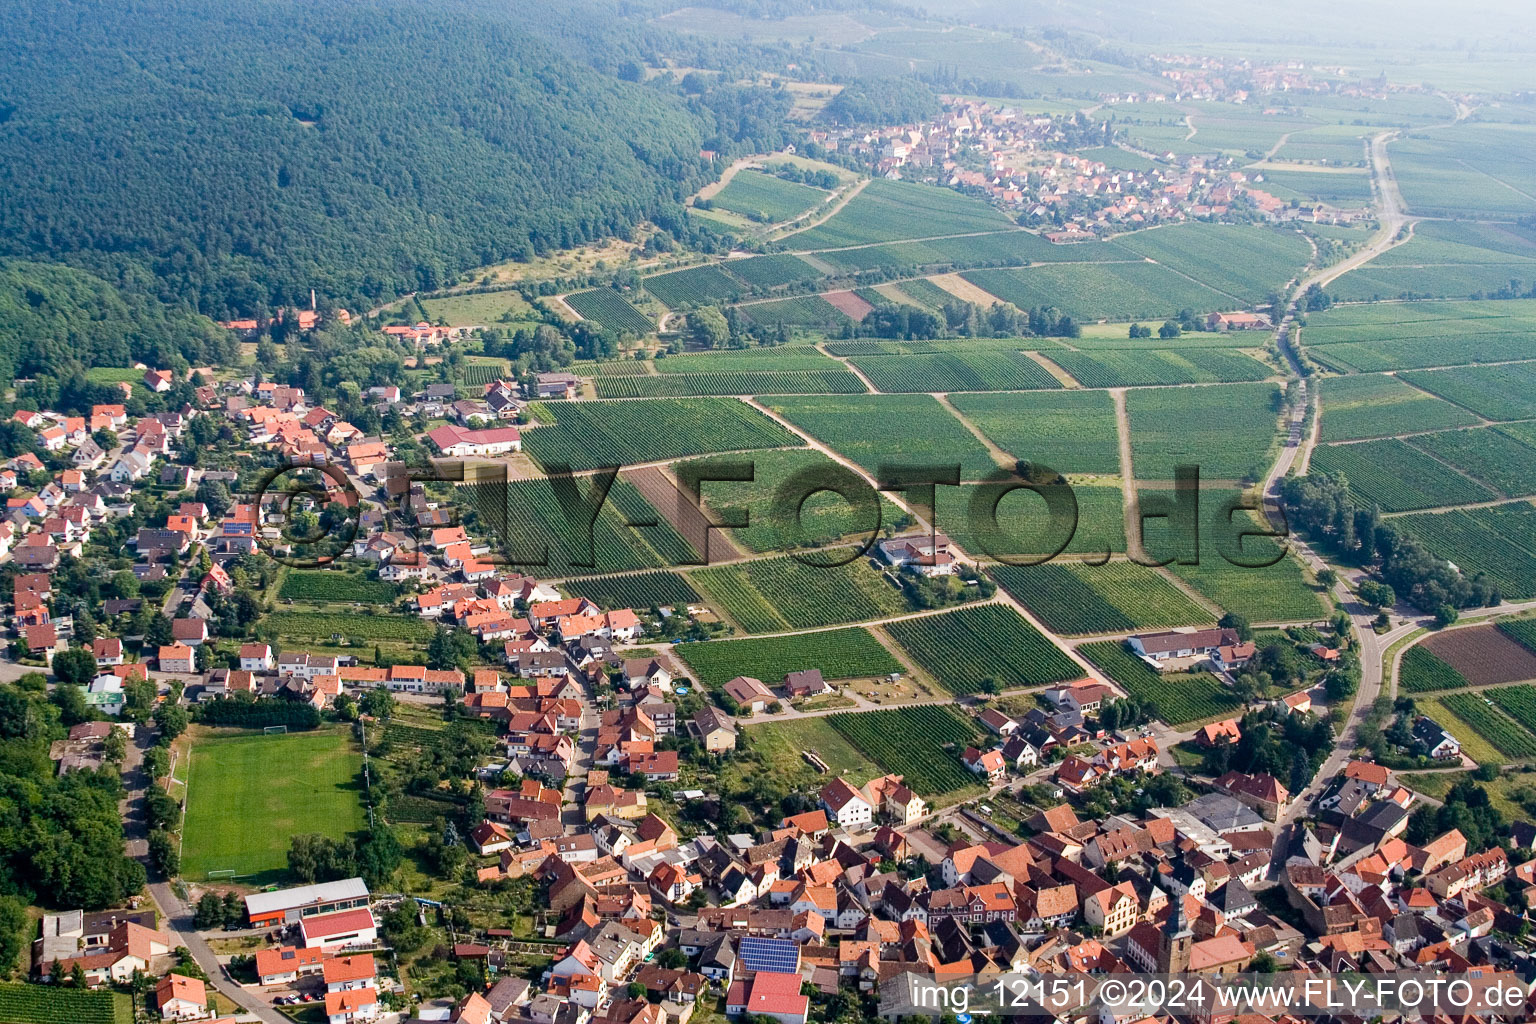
(1174, 941)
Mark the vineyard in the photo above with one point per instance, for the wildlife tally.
(480, 374)
(365, 628)
(692, 287)
(1505, 734)
(587, 435)
(55, 1004)
(800, 311)
(635, 590)
(921, 744)
(1092, 291)
(1227, 430)
(756, 360)
(993, 249)
(323, 585)
(772, 271)
(1397, 476)
(1069, 431)
(839, 653)
(765, 198)
(1119, 368)
(1374, 356)
(1025, 525)
(963, 648)
(876, 430)
(778, 594)
(1518, 702)
(1249, 262)
(1178, 697)
(956, 371)
(1487, 540)
(1273, 593)
(1420, 671)
(609, 309)
(1360, 407)
(737, 382)
(1117, 597)
(885, 211)
(1521, 631)
(1505, 392)
(1490, 454)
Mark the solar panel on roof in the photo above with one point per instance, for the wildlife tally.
(775, 955)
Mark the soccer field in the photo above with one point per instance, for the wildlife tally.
(248, 795)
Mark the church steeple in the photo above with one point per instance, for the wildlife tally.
(1174, 940)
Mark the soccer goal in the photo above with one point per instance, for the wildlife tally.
(214, 876)
(269, 730)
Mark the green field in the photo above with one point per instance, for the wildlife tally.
(983, 370)
(1228, 430)
(994, 249)
(809, 311)
(780, 359)
(633, 590)
(323, 585)
(588, 435)
(248, 795)
(609, 309)
(962, 649)
(772, 271)
(1118, 368)
(781, 594)
(1244, 261)
(1378, 406)
(1092, 291)
(55, 1004)
(479, 308)
(1397, 476)
(839, 653)
(355, 627)
(1118, 597)
(1342, 190)
(1496, 541)
(1507, 736)
(1274, 593)
(886, 211)
(894, 430)
(1420, 671)
(1179, 698)
(1505, 392)
(1467, 170)
(1069, 431)
(1025, 525)
(731, 382)
(765, 198)
(692, 287)
(1493, 455)
(921, 744)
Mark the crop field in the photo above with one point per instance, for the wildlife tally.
(535, 531)
(586, 435)
(1342, 190)
(634, 590)
(1410, 320)
(1483, 655)
(1495, 541)
(852, 653)
(772, 271)
(1518, 702)
(1024, 524)
(925, 293)
(1507, 736)
(1091, 291)
(1448, 350)
(886, 211)
(824, 517)
(480, 374)
(781, 594)
(1273, 593)
(996, 249)
(334, 585)
(1420, 672)
(852, 304)
(692, 287)
(1489, 453)
(362, 628)
(921, 744)
(1227, 430)
(1069, 431)
(1377, 280)
(55, 1004)
(611, 310)
(964, 648)
(767, 199)
(731, 382)
(800, 311)
(956, 371)
(248, 795)
(1397, 476)
(1466, 170)
(754, 360)
(1354, 408)
(1506, 392)
(1133, 368)
(894, 430)
(1329, 144)
(1521, 631)
(1242, 260)
(1451, 243)
(1178, 698)
(1077, 599)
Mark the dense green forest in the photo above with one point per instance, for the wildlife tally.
(247, 152)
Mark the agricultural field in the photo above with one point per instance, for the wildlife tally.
(1467, 170)
(886, 211)
(479, 308)
(1244, 261)
(733, 382)
(995, 249)
(956, 371)
(1355, 408)
(1274, 593)
(1488, 453)
(692, 287)
(1092, 291)
(1518, 702)
(1179, 698)
(824, 517)
(1140, 368)
(852, 653)
(1075, 598)
(249, 794)
(610, 310)
(1495, 541)
(889, 430)
(1024, 523)
(1341, 190)
(481, 373)
(1228, 430)
(782, 746)
(781, 594)
(1390, 321)
(1377, 280)
(1420, 672)
(55, 1004)
(962, 649)
(921, 744)
(1441, 350)
(634, 590)
(1397, 476)
(767, 199)
(1335, 145)
(800, 311)
(587, 435)
(1506, 392)
(1522, 631)
(780, 359)
(1482, 655)
(925, 293)
(359, 628)
(772, 271)
(1507, 736)
(1069, 431)
(1448, 243)
(326, 585)
(1473, 743)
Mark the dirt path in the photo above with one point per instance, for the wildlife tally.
(714, 188)
(831, 211)
(658, 488)
(963, 290)
(1053, 368)
(1133, 548)
(1001, 457)
(821, 347)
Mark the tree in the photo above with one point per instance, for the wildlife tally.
(76, 665)
(378, 703)
(13, 922)
(1377, 595)
(378, 856)
(450, 649)
(115, 747)
(70, 700)
(1445, 615)
(1327, 577)
(1238, 623)
(1169, 330)
(707, 328)
(171, 719)
(209, 912)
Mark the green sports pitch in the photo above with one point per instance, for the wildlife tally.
(248, 794)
